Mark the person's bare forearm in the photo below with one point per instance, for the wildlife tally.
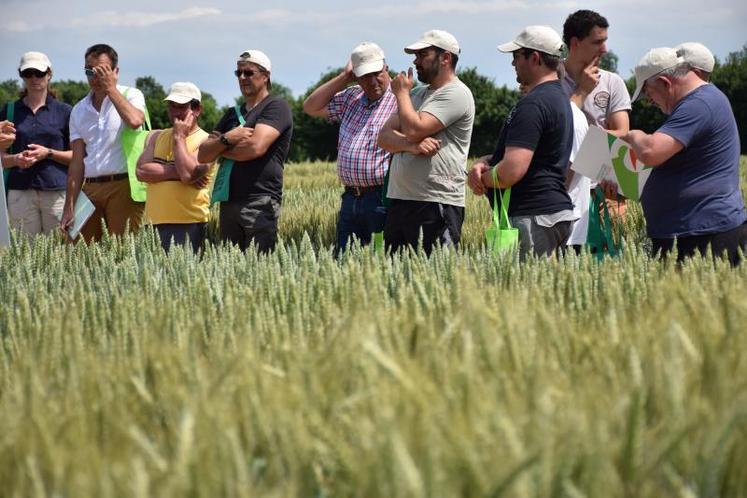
(394, 141)
(153, 172)
(316, 103)
(131, 115)
(186, 164)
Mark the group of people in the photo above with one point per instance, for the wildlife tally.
(402, 149)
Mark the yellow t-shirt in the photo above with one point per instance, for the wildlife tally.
(173, 201)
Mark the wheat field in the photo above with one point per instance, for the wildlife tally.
(128, 372)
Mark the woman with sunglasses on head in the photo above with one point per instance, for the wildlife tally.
(40, 154)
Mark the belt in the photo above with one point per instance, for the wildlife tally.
(359, 191)
(107, 178)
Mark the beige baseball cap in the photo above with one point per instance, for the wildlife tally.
(697, 55)
(34, 60)
(256, 57)
(654, 62)
(183, 92)
(540, 38)
(435, 38)
(367, 58)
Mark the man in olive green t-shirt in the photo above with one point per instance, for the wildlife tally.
(429, 138)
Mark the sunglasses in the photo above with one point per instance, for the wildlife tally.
(246, 73)
(90, 73)
(33, 73)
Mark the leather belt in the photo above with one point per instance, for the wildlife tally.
(107, 178)
(359, 191)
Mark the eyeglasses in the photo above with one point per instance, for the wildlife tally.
(33, 73)
(90, 73)
(246, 73)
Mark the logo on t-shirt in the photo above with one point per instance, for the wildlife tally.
(602, 100)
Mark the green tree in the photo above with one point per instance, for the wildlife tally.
(313, 138)
(9, 90)
(731, 78)
(608, 61)
(154, 95)
(70, 91)
(211, 114)
(492, 105)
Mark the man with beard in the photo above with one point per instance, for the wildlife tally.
(429, 137)
(361, 110)
(534, 147)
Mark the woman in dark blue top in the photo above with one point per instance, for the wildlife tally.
(40, 154)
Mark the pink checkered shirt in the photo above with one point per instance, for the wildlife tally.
(360, 161)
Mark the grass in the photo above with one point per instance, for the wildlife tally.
(128, 372)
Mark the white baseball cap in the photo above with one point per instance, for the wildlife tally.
(367, 58)
(183, 92)
(34, 60)
(256, 57)
(654, 62)
(697, 55)
(540, 38)
(435, 38)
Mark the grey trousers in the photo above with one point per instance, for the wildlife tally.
(540, 240)
(252, 220)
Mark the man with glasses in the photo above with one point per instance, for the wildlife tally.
(692, 198)
(96, 125)
(534, 147)
(178, 197)
(256, 138)
(361, 110)
(429, 138)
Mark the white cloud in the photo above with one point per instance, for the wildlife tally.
(141, 19)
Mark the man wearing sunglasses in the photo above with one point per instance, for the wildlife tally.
(258, 143)
(96, 125)
(692, 198)
(361, 110)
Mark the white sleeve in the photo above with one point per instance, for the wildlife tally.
(580, 127)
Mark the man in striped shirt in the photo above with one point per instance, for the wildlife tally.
(361, 110)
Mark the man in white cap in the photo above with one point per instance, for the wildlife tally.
(362, 165)
(699, 58)
(692, 198)
(178, 198)
(96, 126)
(534, 147)
(429, 137)
(256, 137)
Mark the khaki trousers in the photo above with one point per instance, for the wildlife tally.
(35, 212)
(114, 206)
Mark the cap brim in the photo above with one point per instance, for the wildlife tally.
(179, 99)
(419, 45)
(370, 67)
(637, 92)
(39, 66)
(508, 47)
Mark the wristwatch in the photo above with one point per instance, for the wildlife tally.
(222, 138)
(49, 153)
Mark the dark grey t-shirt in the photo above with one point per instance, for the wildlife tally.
(263, 175)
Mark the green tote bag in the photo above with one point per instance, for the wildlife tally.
(133, 143)
(501, 236)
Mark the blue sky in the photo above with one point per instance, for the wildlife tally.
(199, 41)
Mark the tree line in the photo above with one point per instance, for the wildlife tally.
(316, 139)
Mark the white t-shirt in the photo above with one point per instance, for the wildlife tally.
(580, 187)
(101, 132)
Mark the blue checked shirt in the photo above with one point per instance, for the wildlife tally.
(360, 161)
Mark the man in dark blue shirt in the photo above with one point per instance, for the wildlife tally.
(692, 196)
(534, 147)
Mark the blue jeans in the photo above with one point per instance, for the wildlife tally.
(360, 216)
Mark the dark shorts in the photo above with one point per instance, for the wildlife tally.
(724, 243)
(408, 221)
(254, 220)
(181, 234)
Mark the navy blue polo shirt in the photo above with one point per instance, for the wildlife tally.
(49, 127)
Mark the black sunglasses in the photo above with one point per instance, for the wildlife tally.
(89, 72)
(246, 73)
(33, 73)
